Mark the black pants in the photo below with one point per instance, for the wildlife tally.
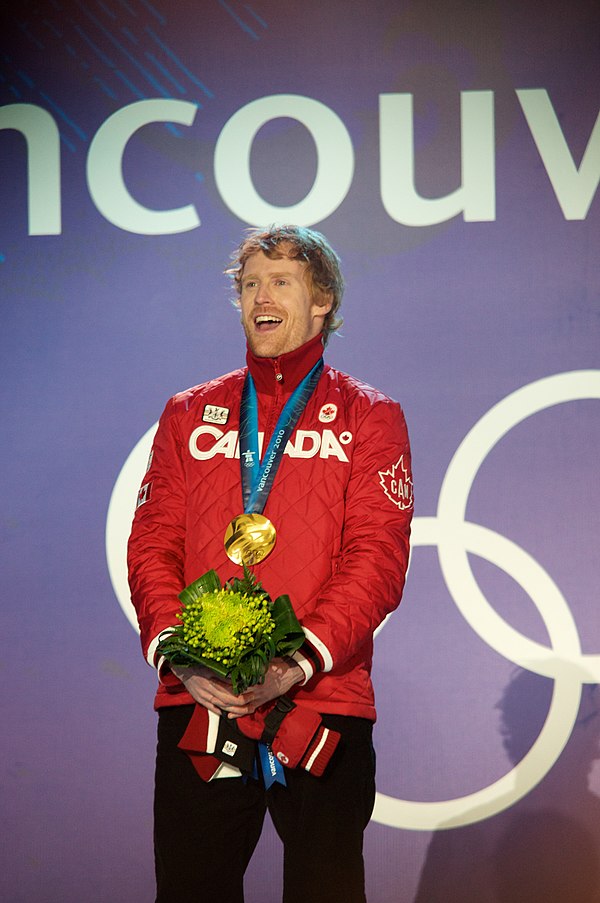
(205, 833)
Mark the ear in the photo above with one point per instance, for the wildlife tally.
(322, 303)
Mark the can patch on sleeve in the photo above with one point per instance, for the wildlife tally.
(397, 484)
(144, 494)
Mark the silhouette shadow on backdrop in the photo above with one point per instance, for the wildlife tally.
(545, 848)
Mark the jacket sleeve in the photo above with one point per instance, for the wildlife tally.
(369, 578)
(155, 553)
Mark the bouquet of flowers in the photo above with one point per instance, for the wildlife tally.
(235, 629)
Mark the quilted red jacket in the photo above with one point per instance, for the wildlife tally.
(341, 503)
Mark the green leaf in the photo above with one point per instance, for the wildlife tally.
(287, 626)
(207, 583)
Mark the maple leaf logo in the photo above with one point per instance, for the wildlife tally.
(397, 484)
(328, 413)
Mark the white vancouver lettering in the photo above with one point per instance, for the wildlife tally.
(43, 164)
(335, 160)
(105, 169)
(272, 457)
(574, 188)
(271, 760)
(475, 197)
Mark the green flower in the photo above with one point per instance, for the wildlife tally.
(223, 624)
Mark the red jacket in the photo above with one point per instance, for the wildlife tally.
(341, 503)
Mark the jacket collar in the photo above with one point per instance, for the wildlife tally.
(287, 370)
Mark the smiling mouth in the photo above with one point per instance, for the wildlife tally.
(267, 320)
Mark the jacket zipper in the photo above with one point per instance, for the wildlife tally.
(275, 407)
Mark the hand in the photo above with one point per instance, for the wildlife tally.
(217, 696)
(281, 675)
(210, 691)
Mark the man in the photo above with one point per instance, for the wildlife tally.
(339, 496)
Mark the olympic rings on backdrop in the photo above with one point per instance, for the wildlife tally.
(563, 660)
(120, 512)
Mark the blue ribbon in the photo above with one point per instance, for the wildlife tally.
(272, 769)
(258, 476)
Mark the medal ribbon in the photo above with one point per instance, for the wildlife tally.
(258, 476)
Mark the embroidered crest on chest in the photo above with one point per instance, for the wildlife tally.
(214, 414)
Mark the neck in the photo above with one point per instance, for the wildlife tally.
(285, 371)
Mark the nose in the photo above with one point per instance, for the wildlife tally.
(263, 295)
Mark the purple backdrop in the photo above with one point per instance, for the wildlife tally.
(472, 298)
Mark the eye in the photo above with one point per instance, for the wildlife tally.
(250, 283)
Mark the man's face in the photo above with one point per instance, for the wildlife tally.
(278, 310)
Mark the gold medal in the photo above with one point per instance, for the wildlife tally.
(249, 538)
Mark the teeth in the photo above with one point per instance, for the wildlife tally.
(265, 318)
